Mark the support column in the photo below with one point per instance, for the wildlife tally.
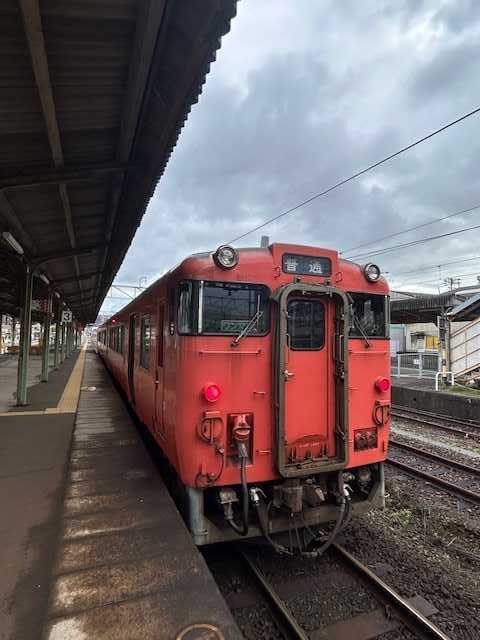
(69, 340)
(25, 339)
(64, 346)
(46, 339)
(58, 330)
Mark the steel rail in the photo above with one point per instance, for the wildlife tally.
(438, 458)
(287, 620)
(446, 484)
(413, 618)
(436, 425)
(466, 422)
(416, 620)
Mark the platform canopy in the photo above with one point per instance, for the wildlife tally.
(93, 95)
(466, 311)
(412, 308)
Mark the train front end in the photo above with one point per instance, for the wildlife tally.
(283, 357)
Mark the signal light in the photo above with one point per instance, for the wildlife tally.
(212, 392)
(382, 384)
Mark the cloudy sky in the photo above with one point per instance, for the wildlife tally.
(305, 93)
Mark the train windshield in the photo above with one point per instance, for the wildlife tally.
(228, 307)
(222, 308)
(369, 316)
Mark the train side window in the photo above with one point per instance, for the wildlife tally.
(145, 342)
(160, 329)
(120, 338)
(306, 325)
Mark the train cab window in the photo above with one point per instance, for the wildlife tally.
(227, 308)
(145, 342)
(306, 325)
(222, 308)
(369, 315)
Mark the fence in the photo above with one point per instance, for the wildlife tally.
(418, 364)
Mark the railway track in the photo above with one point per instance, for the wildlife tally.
(399, 609)
(463, 428)
(442, 464)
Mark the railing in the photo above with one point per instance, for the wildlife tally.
(418, 364)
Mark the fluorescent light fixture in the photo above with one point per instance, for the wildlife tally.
(9, 239)
(44, 278)
(57, 294)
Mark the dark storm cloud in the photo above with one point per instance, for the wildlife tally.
(304, 94)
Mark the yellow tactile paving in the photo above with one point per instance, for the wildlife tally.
(69, 400)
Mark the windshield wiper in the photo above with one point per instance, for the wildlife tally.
(359, 327)
(358, 324)
(247, 328)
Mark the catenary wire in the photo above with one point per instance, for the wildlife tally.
(357, 174)
(458, 276)
(412, 243)
(431, 267)
(418, 226)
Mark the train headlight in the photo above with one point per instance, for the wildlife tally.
(372, 272)
(225, 257)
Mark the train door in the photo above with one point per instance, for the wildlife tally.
(159, 371)
(311, 380)
(131, 357)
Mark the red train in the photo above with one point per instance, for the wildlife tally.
(263, 375)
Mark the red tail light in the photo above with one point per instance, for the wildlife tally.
(382, 384)
(212, 392)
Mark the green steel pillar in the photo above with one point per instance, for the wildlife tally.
(46, 339)
(25, 339)
(58, 331)
(64, 346)
(69, 339)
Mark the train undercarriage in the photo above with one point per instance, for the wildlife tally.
(299, 515)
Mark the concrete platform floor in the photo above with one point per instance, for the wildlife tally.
(91, 544)
(8, 378)
(414, 382)
(126, 567)
(33, 456)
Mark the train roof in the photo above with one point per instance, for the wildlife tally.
(200, 266)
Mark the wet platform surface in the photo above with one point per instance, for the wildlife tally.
(125, 565)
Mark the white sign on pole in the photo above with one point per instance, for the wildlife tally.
(66, 316)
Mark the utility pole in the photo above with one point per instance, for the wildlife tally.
(452, 283)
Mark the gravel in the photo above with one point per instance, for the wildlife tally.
(433, 543)
(441, 470)
(425, 542)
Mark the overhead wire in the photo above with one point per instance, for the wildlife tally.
(434, 266)
(415, 228)
(458, 276)
(404, 245)
(357, 174)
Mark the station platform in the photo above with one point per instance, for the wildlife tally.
(93, 545)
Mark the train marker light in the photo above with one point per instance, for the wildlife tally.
(212, 392)
(372, 272)
(225, 257)
(382, 384)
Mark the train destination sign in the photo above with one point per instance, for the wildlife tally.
(306, 265)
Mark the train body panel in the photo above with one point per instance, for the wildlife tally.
(280, 363)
